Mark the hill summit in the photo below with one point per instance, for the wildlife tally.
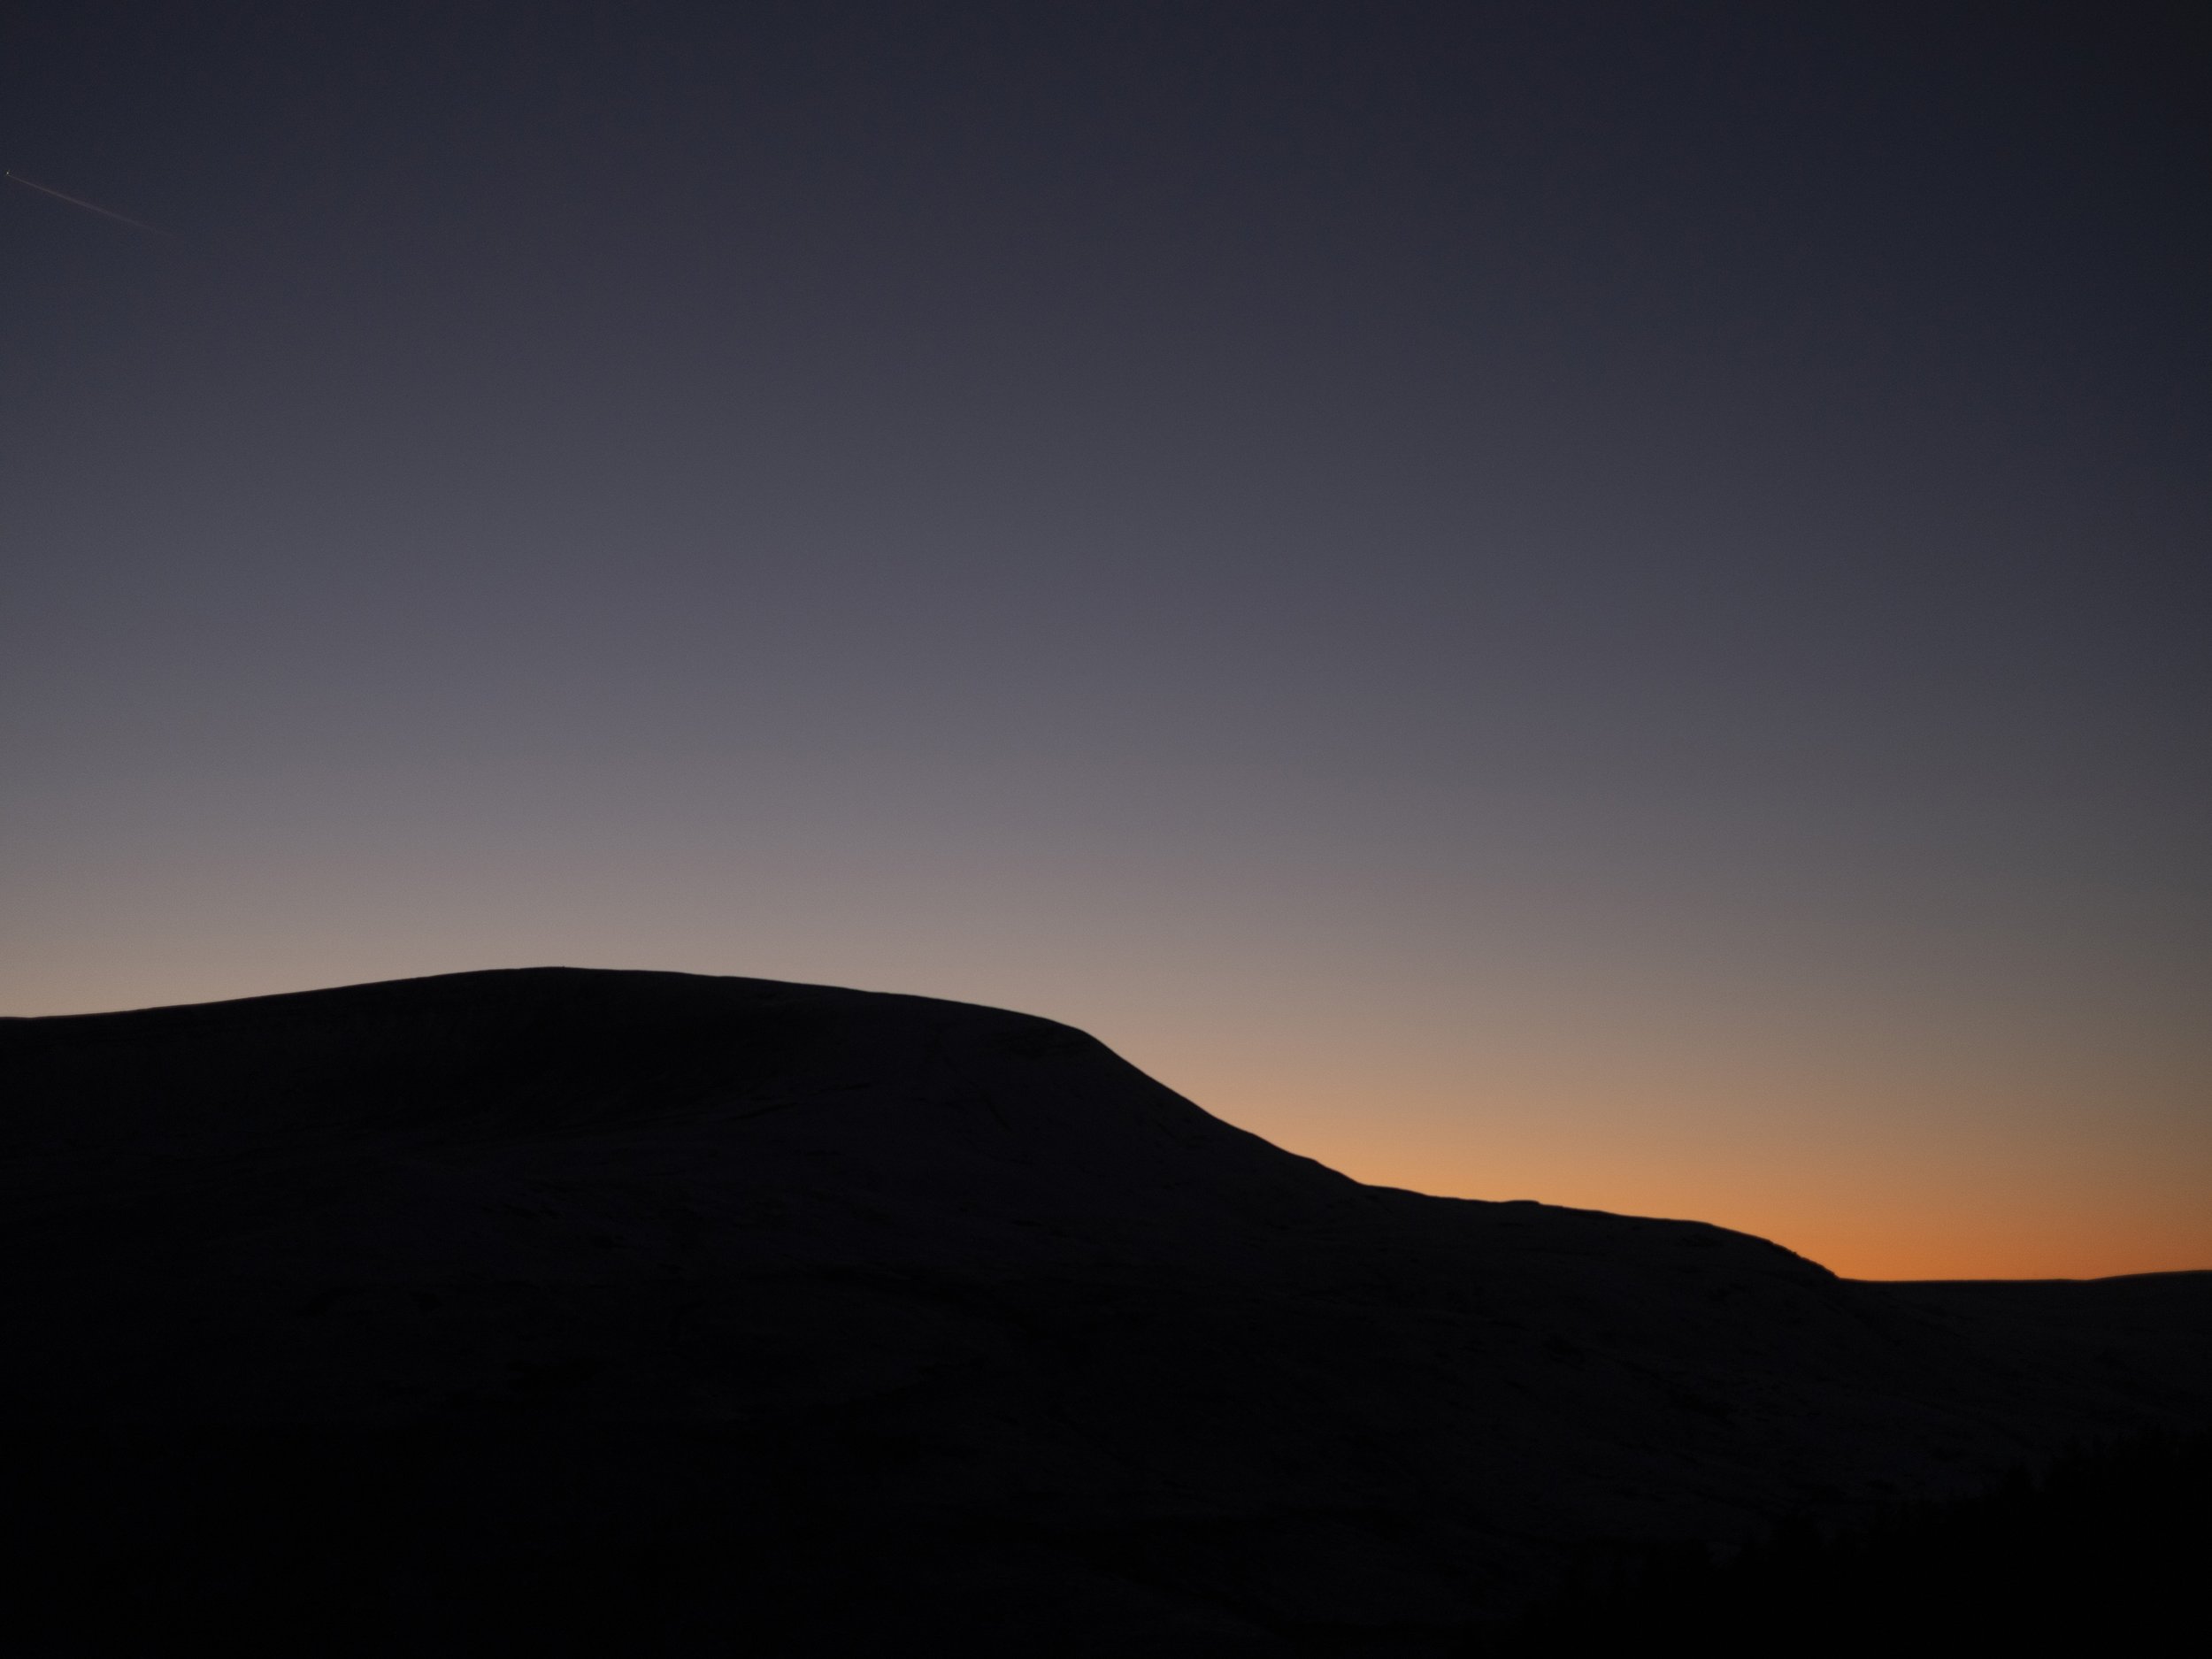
(666, 1306)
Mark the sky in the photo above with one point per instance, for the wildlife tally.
(1604, 603)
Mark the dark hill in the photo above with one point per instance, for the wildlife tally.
(650, 1313)
(2104, 1551)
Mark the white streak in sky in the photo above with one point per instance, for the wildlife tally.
(88, 207)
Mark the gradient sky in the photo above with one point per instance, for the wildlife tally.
(1606, 604)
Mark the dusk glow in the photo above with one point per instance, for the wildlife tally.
(1531, 602)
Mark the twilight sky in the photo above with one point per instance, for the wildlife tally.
(1598, 603)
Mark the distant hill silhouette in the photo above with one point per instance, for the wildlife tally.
(555, 1310)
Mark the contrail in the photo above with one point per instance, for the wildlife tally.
(89, 207)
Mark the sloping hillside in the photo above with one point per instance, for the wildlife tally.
(539, 1305)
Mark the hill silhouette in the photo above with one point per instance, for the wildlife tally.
(562, 1310)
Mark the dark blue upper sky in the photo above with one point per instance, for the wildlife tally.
(1502, 534)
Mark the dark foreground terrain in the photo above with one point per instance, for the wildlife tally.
(562, 1311)
(2103, 1551)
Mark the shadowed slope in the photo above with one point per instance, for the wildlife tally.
(826, 1312)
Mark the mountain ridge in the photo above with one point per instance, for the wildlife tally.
(942, 1272)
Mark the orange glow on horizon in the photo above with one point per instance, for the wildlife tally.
(1983, 1164)
(1943, 1197)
